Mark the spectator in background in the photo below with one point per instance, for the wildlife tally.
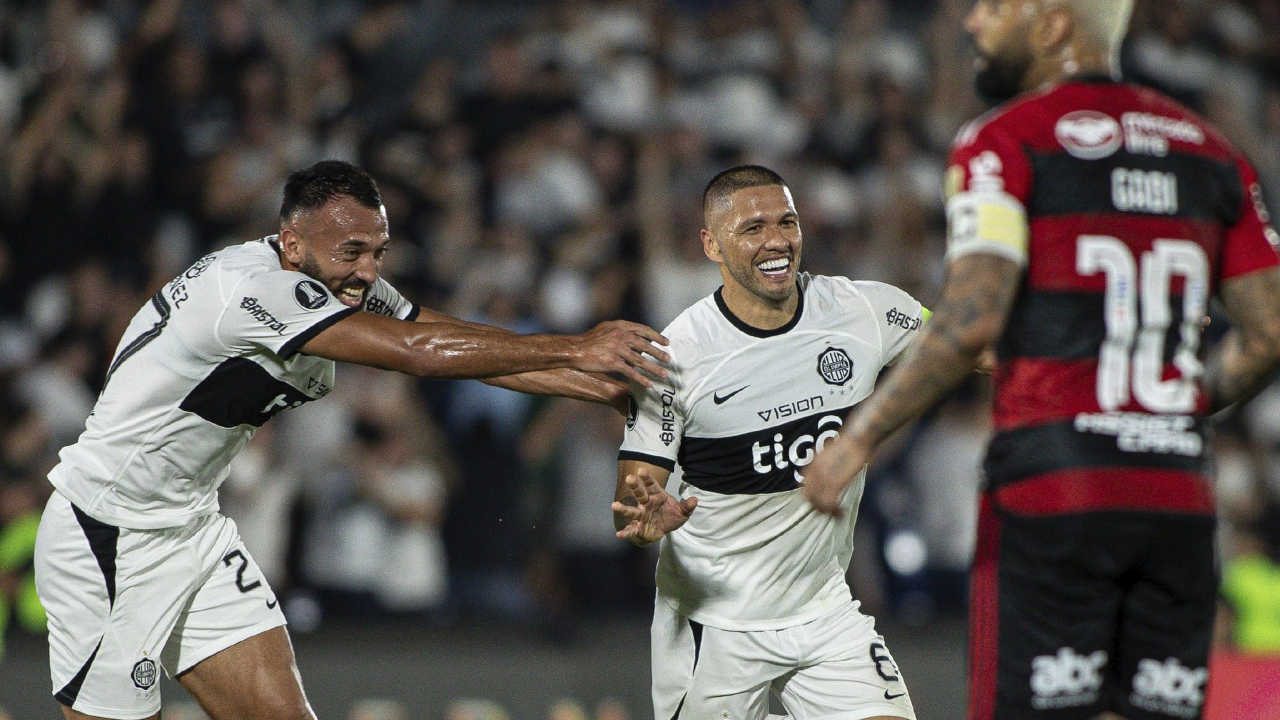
(19, 517)
(376, 516)
(1251, 582)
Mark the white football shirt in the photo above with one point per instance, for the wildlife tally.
(743, 411)
(200, 368)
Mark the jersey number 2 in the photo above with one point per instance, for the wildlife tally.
(1131, 361)
(241, 585)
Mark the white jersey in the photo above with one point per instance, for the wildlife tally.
(743, 411)
(199, 369)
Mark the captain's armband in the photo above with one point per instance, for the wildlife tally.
(987, 221)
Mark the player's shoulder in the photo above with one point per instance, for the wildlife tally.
(1157, 113)
(256, 264)
(840, 289)
(250, 258)
(1010, 118)
(696, 323)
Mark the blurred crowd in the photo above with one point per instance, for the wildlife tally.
(541, 164)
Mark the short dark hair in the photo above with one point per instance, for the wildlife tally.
(310, 188)
(736, 178)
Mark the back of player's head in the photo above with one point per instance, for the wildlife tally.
(310, 188)
(1104, 22)
(729, 181)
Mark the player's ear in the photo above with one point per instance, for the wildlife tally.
(290, 245)
(1054, 30)
(710, 246)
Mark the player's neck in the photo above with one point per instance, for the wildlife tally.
(758, 312)
(1073, 62)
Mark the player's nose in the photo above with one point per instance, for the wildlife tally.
(366, 269)
(777, 238)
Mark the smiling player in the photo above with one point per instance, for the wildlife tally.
(752, 597)
(137, 569)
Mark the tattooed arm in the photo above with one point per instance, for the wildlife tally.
(976, 298)
(1240, 366)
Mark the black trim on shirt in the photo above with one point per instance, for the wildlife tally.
(413, 313)
(239, 391)
(296, 342)
(755, 331)
(163, 309)
(664, 463)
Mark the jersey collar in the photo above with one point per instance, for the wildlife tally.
(755, 331)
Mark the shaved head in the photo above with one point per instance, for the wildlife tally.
(726, 183)
(1103, 22)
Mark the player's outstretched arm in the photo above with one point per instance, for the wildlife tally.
(565, 382)
(976, 298)
(448, 349)
(1242, 364)
(643, 511)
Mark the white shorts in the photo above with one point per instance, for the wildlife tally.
(833, 667)
(122, 604)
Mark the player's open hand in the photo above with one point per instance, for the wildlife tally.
(629, 349)
(831, 473)
(652, 512)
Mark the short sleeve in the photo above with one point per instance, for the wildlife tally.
(899, 315)
(1251, 243)
(386, 300)
(278, 310)
(655, 424)
(987, 183)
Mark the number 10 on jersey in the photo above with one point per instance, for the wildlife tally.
(1131, 361)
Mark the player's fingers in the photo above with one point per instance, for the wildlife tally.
(647, 333)
(639, 358)
(649, 348)
(634, 375)
(650, 482)
(820, 499)
(629, 512)
(688, 505)
(638, 490)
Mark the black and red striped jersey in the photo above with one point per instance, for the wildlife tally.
(1128, 212)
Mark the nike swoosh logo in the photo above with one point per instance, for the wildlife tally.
(720, 399)
(272, 603)
(887, 696)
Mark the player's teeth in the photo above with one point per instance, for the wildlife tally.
(779, 264)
